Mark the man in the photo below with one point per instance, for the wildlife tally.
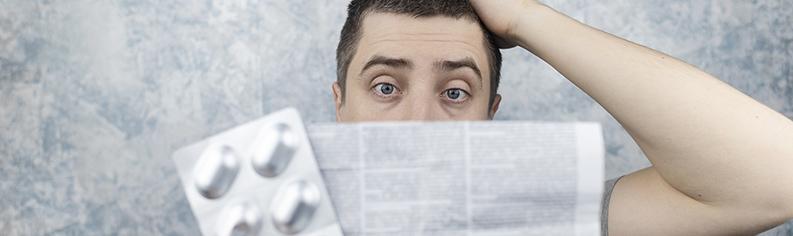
(722, 163)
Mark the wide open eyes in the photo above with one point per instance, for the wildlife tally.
(387, 90)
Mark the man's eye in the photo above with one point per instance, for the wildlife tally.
(456, 95)
(384, 89)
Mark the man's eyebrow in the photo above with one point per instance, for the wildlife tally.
(387, 61)
(450, 65)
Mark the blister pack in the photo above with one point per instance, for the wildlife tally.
(260, 178)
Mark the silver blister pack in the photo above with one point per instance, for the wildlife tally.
(260, 178)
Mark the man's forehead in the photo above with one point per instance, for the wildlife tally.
(430, 38)
(383, 25)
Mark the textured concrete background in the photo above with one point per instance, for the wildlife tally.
(96, 95)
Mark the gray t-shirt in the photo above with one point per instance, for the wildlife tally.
(604, 205)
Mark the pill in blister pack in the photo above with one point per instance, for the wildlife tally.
(294, 206)
(275, 148)
(215, 170)
(259, 178)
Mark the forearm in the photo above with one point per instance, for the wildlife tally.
(705, 138)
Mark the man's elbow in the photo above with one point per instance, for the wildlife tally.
(779, 188)
(786, 202)
(788, 185)
(789, 207)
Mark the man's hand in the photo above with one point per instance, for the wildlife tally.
(503, 17)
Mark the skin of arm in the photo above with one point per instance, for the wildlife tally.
(722, 163)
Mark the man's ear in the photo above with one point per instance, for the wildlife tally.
(494, 106)
(337, 94)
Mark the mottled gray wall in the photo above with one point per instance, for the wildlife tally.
(95, 95)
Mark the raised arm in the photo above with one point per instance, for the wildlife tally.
(722, 163)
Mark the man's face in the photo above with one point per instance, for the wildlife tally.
(408, 68)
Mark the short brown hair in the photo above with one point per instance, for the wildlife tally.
(458, 9)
